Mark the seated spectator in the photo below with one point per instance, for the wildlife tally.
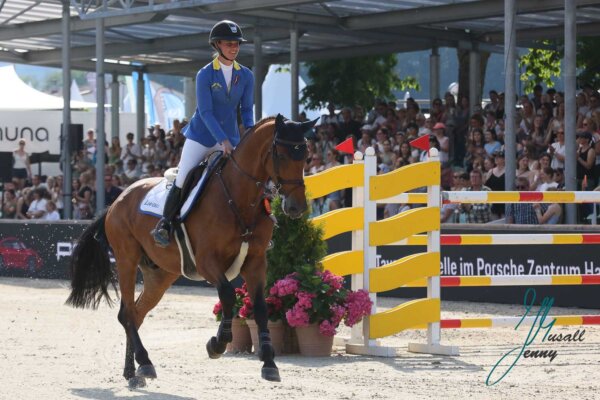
(546, 180)
(479, 212)
(9, 205)
(131, 173)
(552, 215)
(23, 203)
(111, 192)
(51, 212)
(491, 145)
(523, 213)
(37, 208)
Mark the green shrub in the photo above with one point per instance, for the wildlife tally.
(296, 242)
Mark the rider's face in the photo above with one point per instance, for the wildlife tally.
(230, 48)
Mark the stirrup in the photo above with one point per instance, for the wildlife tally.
(161, 235)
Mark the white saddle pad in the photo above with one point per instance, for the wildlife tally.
(154, 201)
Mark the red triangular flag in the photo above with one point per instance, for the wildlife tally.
(421, 142)
(347, 146)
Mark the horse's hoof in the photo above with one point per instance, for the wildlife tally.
(270, 374)
(146, 371)
(137, 382)
(212, 348)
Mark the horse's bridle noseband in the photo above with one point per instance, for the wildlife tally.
(293, 148)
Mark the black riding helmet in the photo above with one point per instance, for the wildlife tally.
(225, 30)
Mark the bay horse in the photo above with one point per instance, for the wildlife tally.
(229, 212)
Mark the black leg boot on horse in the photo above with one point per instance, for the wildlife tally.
(162, 232)
(217, 344)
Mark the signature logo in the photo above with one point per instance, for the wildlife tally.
(539, 324)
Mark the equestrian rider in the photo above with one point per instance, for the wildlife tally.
(221, 87)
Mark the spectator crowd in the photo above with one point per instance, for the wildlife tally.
(470, 144)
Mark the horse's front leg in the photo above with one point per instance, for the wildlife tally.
(254, 273)
(217, 344)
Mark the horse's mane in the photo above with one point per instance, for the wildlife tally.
(255, 128)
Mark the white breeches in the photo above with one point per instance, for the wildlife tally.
(191, 155)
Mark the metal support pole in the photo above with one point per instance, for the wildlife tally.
(100, 99)
(114, 103)
(510, 51)
(570, 107)
(434, 75)
(294, 70)
(140, 107)
(66, 124)
(257, 69)
(474, 80)
(189, 94)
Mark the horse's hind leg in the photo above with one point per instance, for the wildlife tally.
(217, 345)
(156, 282)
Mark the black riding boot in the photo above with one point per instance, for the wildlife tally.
(162, 232)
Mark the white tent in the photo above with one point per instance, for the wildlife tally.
(277, 98)
(17, 95)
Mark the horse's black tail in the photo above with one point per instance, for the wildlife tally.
(91, 272)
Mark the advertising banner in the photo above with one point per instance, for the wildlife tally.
(43, 250)
(41, 129)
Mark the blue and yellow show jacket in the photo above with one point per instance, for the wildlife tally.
(215, 118)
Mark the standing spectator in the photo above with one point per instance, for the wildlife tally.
(21, 165)
(131, 151)
(495, 180)
(348, 126)
(332, 117)
(479, 212)
(523, 213)
(586, 160)
(437, 110)
(557, 150)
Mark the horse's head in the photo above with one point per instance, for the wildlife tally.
(289, 157)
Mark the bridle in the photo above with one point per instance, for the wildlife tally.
(297, 151)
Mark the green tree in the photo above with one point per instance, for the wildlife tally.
(544, 63)
(541, 65)
(350, 81)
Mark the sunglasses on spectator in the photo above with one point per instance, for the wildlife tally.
(521, 187)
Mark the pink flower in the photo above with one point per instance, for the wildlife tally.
(336, 282)
(305, 300)
(217, 308)
(327, 328)
(275, 302)
(297, 316)
(285, 286)
(245, 312)
(358, 305)
(337, 314)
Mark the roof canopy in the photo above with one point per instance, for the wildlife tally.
(170, 36)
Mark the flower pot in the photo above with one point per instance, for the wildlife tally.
(312, 343)
(242, 342)
(276, 331)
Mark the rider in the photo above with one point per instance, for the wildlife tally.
(221, 87)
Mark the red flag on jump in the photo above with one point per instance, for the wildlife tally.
(421, 142)
(347, 146)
